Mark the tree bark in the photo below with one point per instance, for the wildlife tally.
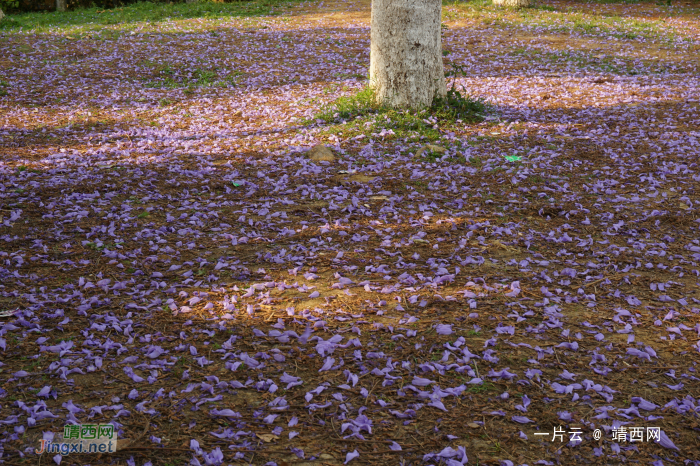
(2, 15)
(406, 69)
(60, 5)
(512, 3)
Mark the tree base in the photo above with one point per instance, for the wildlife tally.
(406, 69)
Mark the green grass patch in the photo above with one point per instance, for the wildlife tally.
(484, 387)
(565, 19)
(361, 113)
(598, 62)
(544, 7)
(454, 107)
(347, 107)
(168, 78)
(626, 2)
(137, 14)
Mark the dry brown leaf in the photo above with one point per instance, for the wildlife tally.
(267, 438)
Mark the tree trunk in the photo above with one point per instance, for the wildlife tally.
(2, 15)
(406, 68)
(60, 5)
(512, 3)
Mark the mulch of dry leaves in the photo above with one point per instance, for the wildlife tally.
(172, 261)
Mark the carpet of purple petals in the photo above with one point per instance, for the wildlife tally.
(178, 267)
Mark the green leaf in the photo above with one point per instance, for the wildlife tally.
(513, 158)
(235, 184)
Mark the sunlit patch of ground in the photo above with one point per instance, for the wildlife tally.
(177, 265)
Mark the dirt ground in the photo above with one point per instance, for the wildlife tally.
(173, 263)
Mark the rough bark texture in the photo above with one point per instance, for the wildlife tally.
(60, 5)
(513, 3)
(406, 68)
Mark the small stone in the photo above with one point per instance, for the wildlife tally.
(361, 179)
(432, 148)
(321, 154)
